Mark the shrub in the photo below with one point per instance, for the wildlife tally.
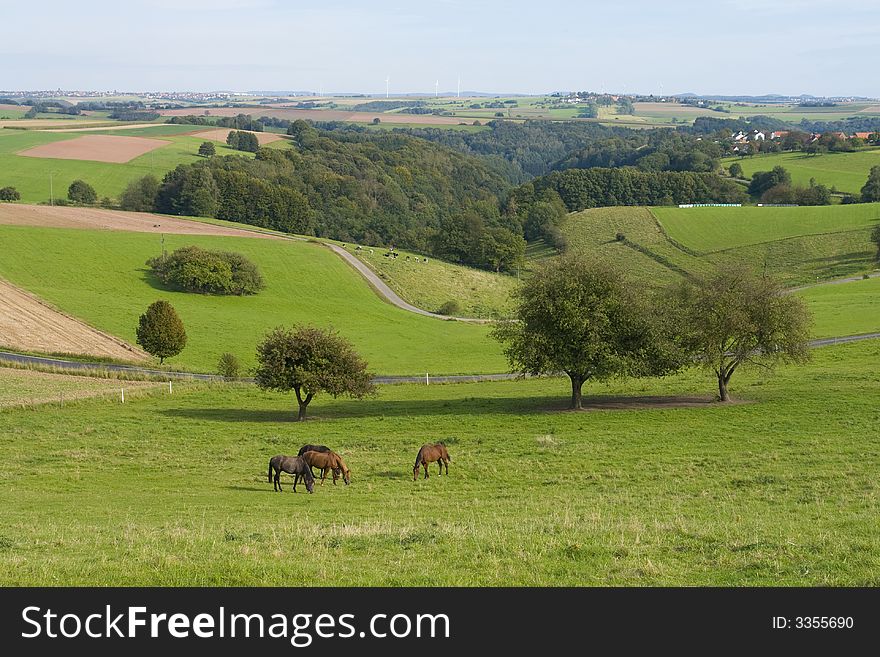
(207, 149)
(9, 194)
(82, 192)
(228, 366)
(193, 269)
(450, 307)
(140, 195)
(620, 237)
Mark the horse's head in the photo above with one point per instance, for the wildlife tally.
(346, 475)
(310, 484)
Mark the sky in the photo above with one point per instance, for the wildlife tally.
(731, 47)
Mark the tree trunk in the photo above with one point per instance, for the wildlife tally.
(303, 403)
(577, 383)
(723, 395)
(302, 412)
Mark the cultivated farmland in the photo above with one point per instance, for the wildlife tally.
(97, 148)
(845, 171)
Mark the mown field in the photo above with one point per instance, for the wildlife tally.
(430, 284)
(845, 171)
(305, 283)
(844, 309)
(31, 176)
(800, 245)
(26, 388)
(172, 489)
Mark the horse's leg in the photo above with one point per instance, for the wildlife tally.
(440, 466)
(278, 481)
(323, 475)
(446, 463)
(425, 466)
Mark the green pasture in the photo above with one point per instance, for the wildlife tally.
(173, 490)
(100, 277)
(844, 309)
(799, 251)
(845, 171)
(31, 175)
(717, 228)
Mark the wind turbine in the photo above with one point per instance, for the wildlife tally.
(387, 83)
(458, 89)
(436, 88)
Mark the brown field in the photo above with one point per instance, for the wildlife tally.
(27, 124)
(317, 115)
(223, 133)
(670, 108)
(98, 219)
(873, 109)
(30, 388)
(97, 148)
(102, 128)
(29, 324)
(5, 106)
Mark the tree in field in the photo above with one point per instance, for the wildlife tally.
(140, 195)
(736, 170)
(243, 141)
(875, 237)
(733, 317)
(228, 366)
(9, 194)
(207, 149)
(764, 180)
(310, 360)
(82, 192)
(871, 190)
(160, 331)
(581, 317)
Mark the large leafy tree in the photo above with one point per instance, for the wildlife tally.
(82, 192)
(871, 190)
(160, 331)
(734, 317)
(580, 316)
(310, 360)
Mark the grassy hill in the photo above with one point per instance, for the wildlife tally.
(844, 309)
(100, 277)
(801, 245)
(845, 171)
(776, 491)
(30, 175)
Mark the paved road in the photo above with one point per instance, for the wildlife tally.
(452, 378)
(390, 295)
(836, 281)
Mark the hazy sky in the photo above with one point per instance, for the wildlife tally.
(822, 47)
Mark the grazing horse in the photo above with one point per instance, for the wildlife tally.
(328, 461)
(428, 454)
(294, 465)
(313, 448)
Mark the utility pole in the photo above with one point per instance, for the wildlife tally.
(51, 197)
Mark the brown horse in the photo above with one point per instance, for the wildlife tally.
(328, 461)
(430, 453)
(313, 448)
(294, 465)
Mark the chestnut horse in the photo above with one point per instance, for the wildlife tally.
(313, 448)
(294, 465)
(428, 454)
(328, 461)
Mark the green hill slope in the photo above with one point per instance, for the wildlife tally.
(100, 277)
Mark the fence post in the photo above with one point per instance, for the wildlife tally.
(123, 394)
(426, 379)
(169, 387)
(62, 399)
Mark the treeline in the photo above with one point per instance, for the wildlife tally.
(373, 188)
(237, 122)
(134, 115)
(706, 125)
(581, 189)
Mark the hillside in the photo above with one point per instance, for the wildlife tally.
(306, 282)
(801, 245)
(845, 171)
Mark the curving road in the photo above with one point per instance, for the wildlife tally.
(450, 378)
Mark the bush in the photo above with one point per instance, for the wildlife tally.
(620, 237)
(228, 366)
(193, 269)
(450, 307)
(9, 194)
(82, 192)
(207, 149)
(140, 195)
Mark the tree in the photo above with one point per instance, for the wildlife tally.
(875, 237)
(228, 366)
(82, 192)
(734, 317)
(764, 180)
(9, 194)
(736, 170)
(140, 195)
(871, 190)
(160, 331)
(207, 149)
(581, 317)
(310, 360)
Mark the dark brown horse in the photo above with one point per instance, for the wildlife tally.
(294, 465)
(313, 448)
(328, 461)
(428, 454)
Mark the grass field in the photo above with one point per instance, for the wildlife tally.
(24, 388)
(788, 242)
(430, 284)
(845, 171)
(31, 176)
(305, 283)
(847, 308)
(172, 489)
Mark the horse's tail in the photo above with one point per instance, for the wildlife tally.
(418, 458)
(270, 471)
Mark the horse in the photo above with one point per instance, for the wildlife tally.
(328, 461)
(313, 448)
(430, 453)
(294, 465)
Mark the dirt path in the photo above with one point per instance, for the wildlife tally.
(29, 324)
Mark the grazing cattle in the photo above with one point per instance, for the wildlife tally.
(294, 465)
(430, 453)
(328, 461)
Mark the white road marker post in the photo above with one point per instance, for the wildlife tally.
(426, 379)
(122, 390)
(169, 387)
